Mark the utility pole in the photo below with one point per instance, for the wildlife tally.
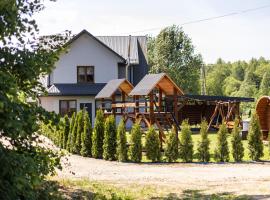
(203, 80)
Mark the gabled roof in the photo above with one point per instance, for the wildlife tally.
(75, 89)
(112, 87)
(150, 81)
(96, 39)
(126, 46)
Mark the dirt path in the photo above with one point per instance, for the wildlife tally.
(248, 179)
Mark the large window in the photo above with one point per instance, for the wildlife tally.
(85, 74)
(67, 107)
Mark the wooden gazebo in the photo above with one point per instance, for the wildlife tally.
(263, 112)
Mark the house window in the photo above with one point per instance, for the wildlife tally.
(67, 107)
(85, 74)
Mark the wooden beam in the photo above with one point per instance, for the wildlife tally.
(123, 98)
(113, 101)
(160, 100)
(151, 107)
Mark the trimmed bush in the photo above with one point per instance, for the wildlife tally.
(109, 142)
(203, 146)
(222, 150)
(135, 150)
(237, 145)
(121, 150)
(77, 147)
(86, 137)
(98, 135)
(65, 132)
(186, 144)
(152, 145)
(255, 144)
(69, 141)
(171, 148)
(74, 135)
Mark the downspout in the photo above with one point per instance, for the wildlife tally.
(128, 60)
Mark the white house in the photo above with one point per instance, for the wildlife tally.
(88, 65)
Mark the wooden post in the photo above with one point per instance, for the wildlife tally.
(151, 108)
(136, 99)
(102, 105)
(113, 102)
(159, 100)
(123, 98)
(175, 108)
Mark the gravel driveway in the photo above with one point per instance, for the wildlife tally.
(247, 178)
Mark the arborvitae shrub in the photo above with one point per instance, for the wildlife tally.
(86, 137)
(65, 132)
(121, 142)
(69, 141)
(255, 144)
(171, 148)
(203, 146)
(78, 145)
(152, 145)
(222, 150)
(98, 135)
(109, 142)
(74, 135)
(186, 144)
(135, 150)
(237, 145)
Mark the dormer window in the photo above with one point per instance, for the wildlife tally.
(85, 74)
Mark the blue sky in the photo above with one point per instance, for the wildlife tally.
(232, 38)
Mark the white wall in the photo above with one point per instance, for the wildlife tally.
(52, 103)
(85, 51)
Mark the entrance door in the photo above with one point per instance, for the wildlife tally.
(88, 107)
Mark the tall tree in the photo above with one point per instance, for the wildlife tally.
(23, 60)
(237, 145)
(265, 84)
(204, 143)
(121, 142)
(86, 137)
(98, 135)
(172, 52)
(222, 149)
(186, 144)
(109, 142)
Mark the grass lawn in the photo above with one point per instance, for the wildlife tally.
(213, 141)
(85, 189)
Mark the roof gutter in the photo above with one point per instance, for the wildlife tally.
(128, 60)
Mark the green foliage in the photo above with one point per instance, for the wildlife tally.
(74, 135)
(222, 150)
(98, 135)
(80, 125)
(65, 132)
(135, 150)
(69, 141)
(171, 149)
(152, 145)
(24, 165)
(121, 142)
(265, 84)
(255, 144)
(109, 142)
(172, 52)
(237, 145)
(203, 146)
(186, 144)
(86, 136)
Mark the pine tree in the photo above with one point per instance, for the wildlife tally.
(203, 147)
(135, 150)
(255, 144)
(74, 135)
(186, 144)
(121, 142)
(152, 145)
(69, 141)
(65, 132)
(265, 84)
(171, 149)
(109, 142)
(237, 145)
(98, 135)
(86, 137)
(77, 147)
(222, 150)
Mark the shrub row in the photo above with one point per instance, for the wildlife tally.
(110, 143)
